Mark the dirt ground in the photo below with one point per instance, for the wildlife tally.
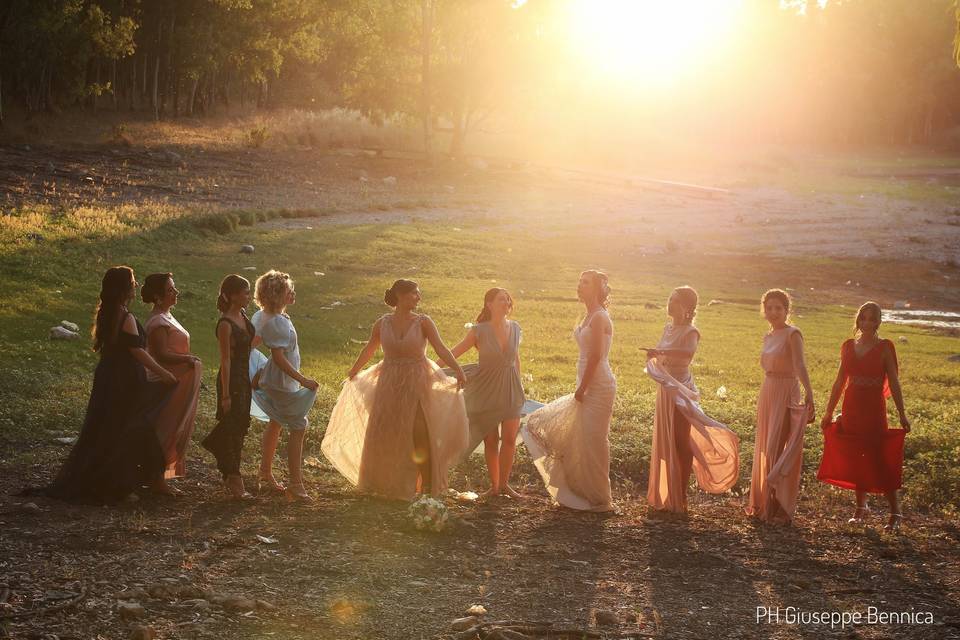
(349, 567)
(199, 566)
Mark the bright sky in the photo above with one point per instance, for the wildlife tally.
(648, 42)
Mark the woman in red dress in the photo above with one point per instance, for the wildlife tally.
(859, 451)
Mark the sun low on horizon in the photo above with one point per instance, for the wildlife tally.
(648, 42)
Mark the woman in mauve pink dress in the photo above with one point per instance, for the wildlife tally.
(783, 411)
(685, 439)
(169, 344)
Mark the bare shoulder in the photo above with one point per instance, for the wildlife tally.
(130, 324)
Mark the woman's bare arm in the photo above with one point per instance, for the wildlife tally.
(893, 378)
(373, 343)
(800, 370)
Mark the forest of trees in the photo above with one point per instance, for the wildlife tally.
(840, 72)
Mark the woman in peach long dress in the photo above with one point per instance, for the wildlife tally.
(568, 438)
(398, 426)
(169, 344)
(685, 439)
(783, 411)
(860, 451)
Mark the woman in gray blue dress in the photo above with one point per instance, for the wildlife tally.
(494, 393)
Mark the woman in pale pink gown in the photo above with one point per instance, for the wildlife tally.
(783, 411)
(685, 439)
(169, 344)
(568, 438)
(400, 424)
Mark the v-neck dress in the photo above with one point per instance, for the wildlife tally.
(494, 392)
(369, 438)
(860, 451)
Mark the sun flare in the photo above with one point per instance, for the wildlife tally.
(648, 41)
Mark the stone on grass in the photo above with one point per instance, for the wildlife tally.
(30, 507)
(246, 248)
(70, 326)
(476, 610)
(462, 624)
(239, 603)
(263, 605)
(60, 333)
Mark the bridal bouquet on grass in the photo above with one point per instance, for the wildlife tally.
(428, 514)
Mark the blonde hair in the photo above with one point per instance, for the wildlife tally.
(271, 289)
(871, 305)
(689, 299)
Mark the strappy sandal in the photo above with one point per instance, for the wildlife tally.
(296, 493)
(269, 484)
(894, 524)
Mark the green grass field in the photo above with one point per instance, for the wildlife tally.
(45, 281)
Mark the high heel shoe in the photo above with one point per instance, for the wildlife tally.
(269, 484)
(296, 493)
(894, 523)
(859, 515)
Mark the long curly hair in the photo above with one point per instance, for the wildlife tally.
(116, 289)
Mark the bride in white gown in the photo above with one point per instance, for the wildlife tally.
(568, 437)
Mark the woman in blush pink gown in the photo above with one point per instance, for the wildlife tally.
(568, 438)
(169, 344)
(685, 439)
(783, 411)
(398, 425)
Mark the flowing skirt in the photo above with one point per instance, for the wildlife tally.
(778, 450)
(569, 443)
(177, 419)
(716, 457)
(866, 463)
(369, 438)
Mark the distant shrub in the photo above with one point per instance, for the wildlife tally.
(257, 137)
(220, 223)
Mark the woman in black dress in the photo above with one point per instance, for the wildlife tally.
(117, 451)
(235, 334)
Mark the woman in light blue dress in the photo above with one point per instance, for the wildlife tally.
(494, 393)
(280, 390)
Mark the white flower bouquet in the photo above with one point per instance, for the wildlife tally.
(428, 514)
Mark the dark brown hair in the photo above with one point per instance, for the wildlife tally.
(114, 293)
(228, 286)
(392, 295)
(601, 281)
(153, 285)
(489, 297)
(776, 294)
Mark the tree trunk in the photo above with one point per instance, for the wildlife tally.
(155, 98)
(193, 94)
(426, 11)
(113, 82)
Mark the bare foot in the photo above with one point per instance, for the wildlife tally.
(507, 490)
(490, 493)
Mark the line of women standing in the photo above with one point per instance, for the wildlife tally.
(398, 426)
